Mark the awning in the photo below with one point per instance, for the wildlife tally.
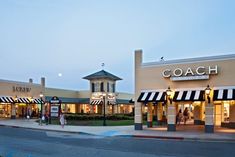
(6, 99)
(189, 95)
(224, 94)
(37, 101)
(152, 96)
(23, 100)
(96, 102)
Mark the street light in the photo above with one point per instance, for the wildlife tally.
(207, 91)
(103, 95)
(41, 95)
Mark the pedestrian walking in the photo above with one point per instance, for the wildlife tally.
(186, 115)
(62, 120)
(179, 117)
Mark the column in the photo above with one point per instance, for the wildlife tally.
(92, 108)
(13, 111)
(115, 109)
(155, 112)
(171, 116)
(209, 116)
(159, 113)
(150, 115)
(232, 115)
(138, 116)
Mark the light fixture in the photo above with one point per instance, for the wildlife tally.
(208, 90)
(168, 92)
(41, 95)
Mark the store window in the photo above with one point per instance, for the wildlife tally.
(97, 87)
(102, 87)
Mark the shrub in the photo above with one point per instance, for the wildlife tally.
(97, 117)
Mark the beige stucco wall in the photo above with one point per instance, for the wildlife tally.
(7, 89)
(149, 76)
(61, 93)
(126, 96)
(84, 94)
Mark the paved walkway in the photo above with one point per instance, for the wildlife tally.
(184, 132)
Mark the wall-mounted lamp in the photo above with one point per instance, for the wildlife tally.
(169, 94)
(207, 91)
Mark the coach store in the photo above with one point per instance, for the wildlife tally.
(203, 85)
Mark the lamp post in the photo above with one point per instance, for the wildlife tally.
(207, 91)
(41, 95)
(104, 118)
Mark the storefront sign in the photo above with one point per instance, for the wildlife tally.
(55, 106)
(200, 73)
(21, 89)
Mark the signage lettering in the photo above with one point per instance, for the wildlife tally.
(21, 89)
(182, 74)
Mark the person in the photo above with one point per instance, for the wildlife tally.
(40, 118)
(179, 117)
(47, 118)
(62, 120)
(185, 115)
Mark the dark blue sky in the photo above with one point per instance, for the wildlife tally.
(73, 37)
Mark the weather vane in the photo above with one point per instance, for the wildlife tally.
(103, 65)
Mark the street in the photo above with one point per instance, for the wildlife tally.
(18, 142)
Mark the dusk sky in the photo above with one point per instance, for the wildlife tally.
(74, 37)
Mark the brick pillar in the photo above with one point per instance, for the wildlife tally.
(138, 116)
(209, 115)
(171, 116)
(13, 111)
(159, 113)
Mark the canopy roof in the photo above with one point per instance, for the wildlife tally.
(102, 75)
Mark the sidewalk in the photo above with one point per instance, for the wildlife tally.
(221, 134)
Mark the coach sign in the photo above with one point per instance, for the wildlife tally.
(199, 73)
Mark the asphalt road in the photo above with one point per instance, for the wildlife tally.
(17, 142)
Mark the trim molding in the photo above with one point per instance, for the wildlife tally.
(190, 60)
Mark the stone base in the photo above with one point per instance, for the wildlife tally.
(149, 124)
(13, 117)
(199, 122)
(209, 128)
(138, 126)
(171, 127)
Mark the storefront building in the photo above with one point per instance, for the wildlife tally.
(204, 85)
(28, 99)
(18, 99)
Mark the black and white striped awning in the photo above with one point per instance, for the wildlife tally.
(23, 100)
(152, 96)
(224, 94)
(189, 95)
(37, 101)
(96, 102)
(6, 99)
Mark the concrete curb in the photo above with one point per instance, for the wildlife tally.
(128, 136)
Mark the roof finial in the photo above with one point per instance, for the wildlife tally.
(102, 66)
